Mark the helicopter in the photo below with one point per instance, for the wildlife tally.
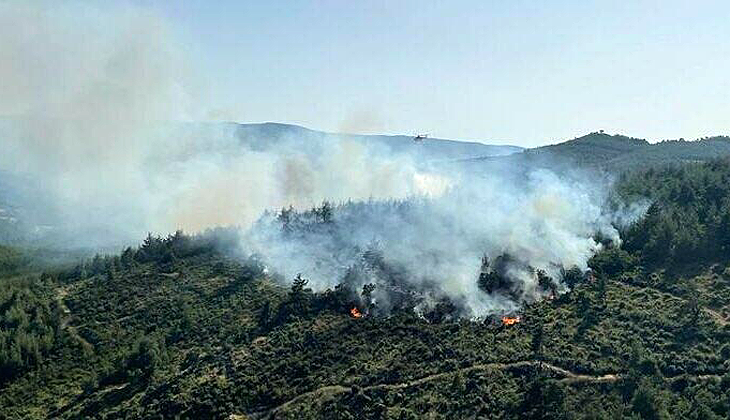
(420, 137)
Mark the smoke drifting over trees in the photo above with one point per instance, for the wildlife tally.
(89, 98)
(438, 245)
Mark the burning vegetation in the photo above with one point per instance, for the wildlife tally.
(509, 320)
(355, 312)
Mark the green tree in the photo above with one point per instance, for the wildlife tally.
(264, 322)
(546, 282)
(648, 403)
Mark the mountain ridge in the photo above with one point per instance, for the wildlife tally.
(613, 153)
(595, 150)
(431, 148)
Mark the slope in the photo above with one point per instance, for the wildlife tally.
(268, 135)
(612, 153)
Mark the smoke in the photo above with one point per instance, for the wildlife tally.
(83, 89)
(93, 100)
(90, 96)
(216, 179)
(436, 244)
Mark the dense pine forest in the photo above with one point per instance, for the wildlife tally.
(182, 326)
(364, 210)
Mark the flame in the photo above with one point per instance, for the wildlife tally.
(507, 320)
(355, 312)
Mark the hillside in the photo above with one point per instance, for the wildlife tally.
(268, 135)
(181, 327)
(198, 327)
(595, 149)
(30, 212)
(621, 153)
(237, 210)
(612, 153)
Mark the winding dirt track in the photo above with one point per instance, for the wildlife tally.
(717, 316)
(61, 293)
(332, 390)
(566, 377)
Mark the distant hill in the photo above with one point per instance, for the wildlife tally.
(613, 153)
(266, 135)
(27, 210)
(674, 151)
(594, 148)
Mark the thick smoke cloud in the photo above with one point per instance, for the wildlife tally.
(89, 96)
(540, 220)
(88, 99)
(82, 89)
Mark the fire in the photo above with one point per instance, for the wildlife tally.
(508, 320)
(355, 312)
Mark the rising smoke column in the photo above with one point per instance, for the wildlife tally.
(94, 103)
(436, 243)
(89, 98)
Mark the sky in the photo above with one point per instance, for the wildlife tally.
(514, 72)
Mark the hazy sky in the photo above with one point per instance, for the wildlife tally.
(521, 72)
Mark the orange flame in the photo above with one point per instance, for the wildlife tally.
(507, 320)
(355, 312)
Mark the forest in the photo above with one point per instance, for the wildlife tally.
(387, 210)
(183, 327)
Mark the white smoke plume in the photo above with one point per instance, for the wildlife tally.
(540, 220)
(89, 97)
(91, 109)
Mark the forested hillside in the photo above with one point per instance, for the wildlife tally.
(689, 219)
(176, 242)
(181, 326)
(611, 153)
